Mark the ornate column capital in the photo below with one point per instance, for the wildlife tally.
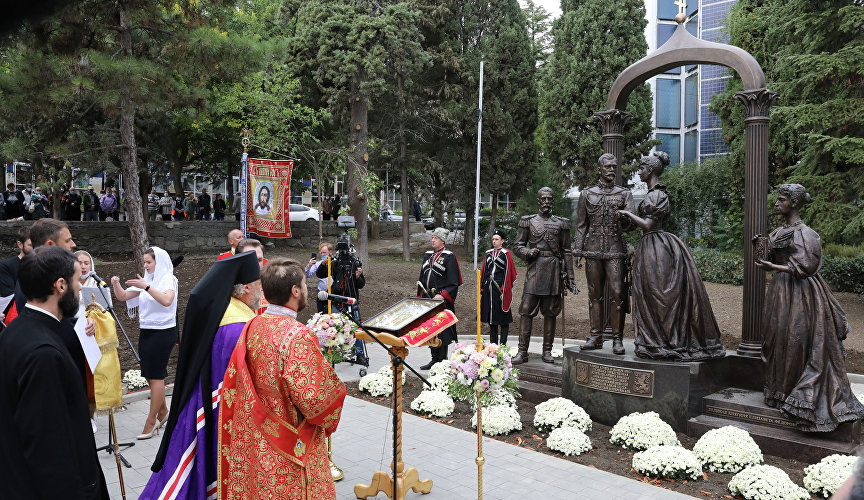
(757, 102)
(612, 121)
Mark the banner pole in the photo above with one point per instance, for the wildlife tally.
(244, 161)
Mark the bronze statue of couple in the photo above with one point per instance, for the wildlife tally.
(671, 312)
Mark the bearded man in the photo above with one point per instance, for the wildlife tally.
(219, 307)
(280, 400)
(46, 442)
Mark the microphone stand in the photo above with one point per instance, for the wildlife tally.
(396, 360)
(111, 447)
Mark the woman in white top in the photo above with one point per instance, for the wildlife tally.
(155, 298)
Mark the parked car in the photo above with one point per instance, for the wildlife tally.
(302, 213)
(428, 222)
(456, 221)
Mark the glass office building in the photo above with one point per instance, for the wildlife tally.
(689, 131)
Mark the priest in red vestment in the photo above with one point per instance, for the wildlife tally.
(280, 400)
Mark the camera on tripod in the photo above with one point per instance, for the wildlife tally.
(345, 252)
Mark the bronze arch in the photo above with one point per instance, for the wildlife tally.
(682, 49)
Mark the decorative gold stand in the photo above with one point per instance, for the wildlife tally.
(405, 478)
(335, 471)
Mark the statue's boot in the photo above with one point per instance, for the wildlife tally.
(617, 323)
(524, 340)
(595, 337)
(548, 338)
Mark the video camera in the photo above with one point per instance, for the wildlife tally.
(345, 252)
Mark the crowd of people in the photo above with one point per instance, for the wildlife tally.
(34, 203)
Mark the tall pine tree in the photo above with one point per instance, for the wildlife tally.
(813, 56)
(594, 40)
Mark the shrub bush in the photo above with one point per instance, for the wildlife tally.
(719, 267)
(844, 274)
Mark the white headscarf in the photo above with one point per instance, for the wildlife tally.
(164, 267)
(90, 280)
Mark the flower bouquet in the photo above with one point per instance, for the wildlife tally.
(487, 371)
(134, 380)
(335, 334)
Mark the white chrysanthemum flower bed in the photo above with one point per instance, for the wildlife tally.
(673, 462)
(560, 412)
(499, 419)
(727, 449)
(434, 403)
(640, 431)
(134, 380)
(379, 383)
(439, 382)
(824, 478)
(568, 440)
(440, 368)
(766, 482)
(494, 398)
(557, 352)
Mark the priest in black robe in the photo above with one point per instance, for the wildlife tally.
(46, 441)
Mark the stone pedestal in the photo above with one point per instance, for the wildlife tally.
(770, 428)
(609, 386)
(539, 381)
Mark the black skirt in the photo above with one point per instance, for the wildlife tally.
(154, 347)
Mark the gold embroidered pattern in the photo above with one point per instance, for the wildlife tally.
(270, 427)
(228, 396)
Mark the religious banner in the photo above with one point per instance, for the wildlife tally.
(267, 197)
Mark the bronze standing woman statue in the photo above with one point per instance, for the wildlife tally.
(672, 316)
(804, 326)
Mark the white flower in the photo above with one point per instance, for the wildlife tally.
(497, 375)
(727, 449)
(134, 380)
(860, 397)
(640, 431)
(557, 352)
(379, 383)
(560, 412)
(440, 382)
(569, 441)
(494, 398)
(826, 477)
(499, 419)
(435, 403)
(440, 368)
(673, 462)
(765, 482)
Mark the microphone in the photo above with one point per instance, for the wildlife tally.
(99, 280)
(340, 299)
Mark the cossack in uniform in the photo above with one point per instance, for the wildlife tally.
(496, 287)
(440, 274)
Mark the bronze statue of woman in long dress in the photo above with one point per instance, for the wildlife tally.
(672, 316)
(804, 326)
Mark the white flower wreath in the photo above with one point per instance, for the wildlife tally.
(824, 478)
(499, 419)
(673, 462)
(727, 449)
(568, 440)
(435, 403)
(640, 431)
(560, 412)
(766, 482)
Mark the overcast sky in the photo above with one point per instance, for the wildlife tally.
(552, 6)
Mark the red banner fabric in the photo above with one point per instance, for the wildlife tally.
(267, 197)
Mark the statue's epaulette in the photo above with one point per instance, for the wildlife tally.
(525, 221)
(561, 219)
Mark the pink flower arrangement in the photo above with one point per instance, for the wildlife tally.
(335, 334)
(486, 370)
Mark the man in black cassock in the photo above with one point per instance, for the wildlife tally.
(440, 276)
(9, 267)
(46, 442)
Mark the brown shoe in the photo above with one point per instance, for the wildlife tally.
(519, 358)
(594, 341)
(617, 343)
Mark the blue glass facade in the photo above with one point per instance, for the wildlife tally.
(713, 78)
(672, 145)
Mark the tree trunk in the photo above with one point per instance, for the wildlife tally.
(358, 160)
(493, 216)
(229, 185)
(469, 230)
(129, 157)
(317, 169)
(403, 169)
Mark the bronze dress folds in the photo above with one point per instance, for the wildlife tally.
(672, 316)
(804, 327)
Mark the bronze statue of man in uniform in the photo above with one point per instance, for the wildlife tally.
(543, 240)
(599, 239)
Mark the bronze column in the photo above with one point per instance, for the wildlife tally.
(612, 123)
(757, 103)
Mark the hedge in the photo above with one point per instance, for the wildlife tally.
(844, 274)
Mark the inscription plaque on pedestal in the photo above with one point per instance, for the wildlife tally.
(617, 379)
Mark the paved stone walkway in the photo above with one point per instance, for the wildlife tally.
(442, 453)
